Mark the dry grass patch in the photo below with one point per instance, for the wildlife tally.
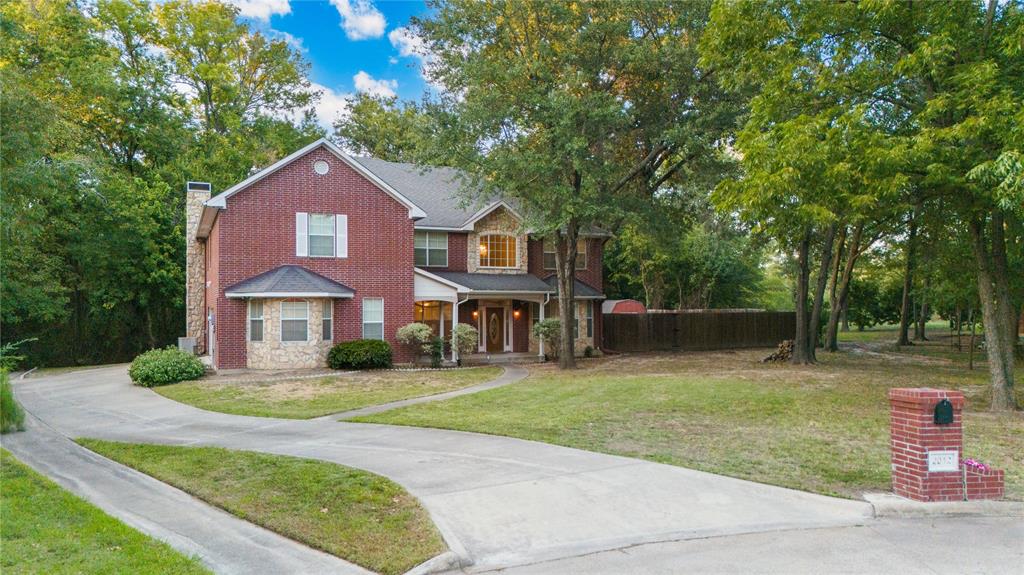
(821, 428)
(314, 397)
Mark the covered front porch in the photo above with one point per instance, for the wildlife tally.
(503, 317)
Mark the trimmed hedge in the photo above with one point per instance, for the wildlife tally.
(360, 354)
(165, 366)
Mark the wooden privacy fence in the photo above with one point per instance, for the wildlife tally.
(697, 330)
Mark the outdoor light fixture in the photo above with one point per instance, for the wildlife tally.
(476, 314)
(515, 314)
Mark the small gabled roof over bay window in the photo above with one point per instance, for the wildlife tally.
(289, 281)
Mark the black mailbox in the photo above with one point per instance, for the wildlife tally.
(943, 412)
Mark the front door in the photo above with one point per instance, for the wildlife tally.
(495, 329)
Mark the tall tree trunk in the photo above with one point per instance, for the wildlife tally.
(839, 305)
(999, 349)
(922, 321)
(833, 297)
(970, 352)
(844, 315)
(565, 266)
(801, 338)
(908, 280)
(819, 292)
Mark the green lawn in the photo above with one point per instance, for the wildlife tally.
(306, 398)
(45, 529)
(819, 428)
(356, 515)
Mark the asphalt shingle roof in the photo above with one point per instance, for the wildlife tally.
(581, 289)
(290, 279)
(434, 189)
(497, 282)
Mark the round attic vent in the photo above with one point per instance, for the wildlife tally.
(321, 167)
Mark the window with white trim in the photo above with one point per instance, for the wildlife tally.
(498, 251)
(294, 321)
(327, 322)
(549, 254)
(373, 318)
(255, 320)
(431, 249)
(321, 235)
(590, 317)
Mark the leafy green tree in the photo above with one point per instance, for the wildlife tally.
(384, 128)
(577, 111)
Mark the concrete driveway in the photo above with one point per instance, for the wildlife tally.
(498, 501)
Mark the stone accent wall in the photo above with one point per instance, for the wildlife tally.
(503, 222)
(581, 343)
(272, 353)
(195, 270)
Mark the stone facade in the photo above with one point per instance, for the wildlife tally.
(581, 343)
(500, 221)
(195, 270)
(272, 353)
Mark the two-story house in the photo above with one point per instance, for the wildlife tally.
(322, 247)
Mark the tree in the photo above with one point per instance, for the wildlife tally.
(382, 127)
(578, 111)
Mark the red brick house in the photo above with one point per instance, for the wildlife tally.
(322, 247)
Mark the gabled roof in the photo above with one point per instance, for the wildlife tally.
(580, 289)
(220, 200)
(289, 281)
(438, 189)
(493, 283)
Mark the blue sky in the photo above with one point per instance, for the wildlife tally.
(351, 45)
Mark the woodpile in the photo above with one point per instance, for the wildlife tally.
(783, 354)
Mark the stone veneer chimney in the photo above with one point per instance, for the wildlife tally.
(196, 193)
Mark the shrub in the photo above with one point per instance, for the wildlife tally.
(165, 366)
(436, 351)
(12, 416)
(548, 331)
(9, 356)
(588, 351)
(360, 354)
(465, 339)
(415, 336)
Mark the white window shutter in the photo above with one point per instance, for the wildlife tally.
(301, 234)
(341, 235)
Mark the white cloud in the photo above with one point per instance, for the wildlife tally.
(407, 43)
(368, 84)
(262, 9)
(294, 41)
(360, 19)
(331, 106)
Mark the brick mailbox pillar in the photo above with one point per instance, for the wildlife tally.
(927, 457)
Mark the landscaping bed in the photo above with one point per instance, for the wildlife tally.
(821, 428)
(356, 515)
(45, 529)
(303, 398)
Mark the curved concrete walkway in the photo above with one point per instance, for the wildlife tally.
(498, 501)
(511, 374)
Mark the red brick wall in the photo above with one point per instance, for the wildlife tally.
(212, 273)
(914, 433)
(257, 233)
(456, 253)
(591, 276)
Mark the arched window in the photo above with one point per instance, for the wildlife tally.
(498, 251)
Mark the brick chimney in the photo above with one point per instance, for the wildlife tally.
(196, 194)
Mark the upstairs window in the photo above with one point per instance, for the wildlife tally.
(321, 235)
(431, 249)
(294, 321)
(549, 254)
(498, 251)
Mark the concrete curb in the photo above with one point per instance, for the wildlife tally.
(891, 505)
(447, 561)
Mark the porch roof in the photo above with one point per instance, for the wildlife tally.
(580, 289)
(289, 281)
(496, 283)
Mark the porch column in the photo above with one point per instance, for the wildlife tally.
(455, 322)
(540, 341)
